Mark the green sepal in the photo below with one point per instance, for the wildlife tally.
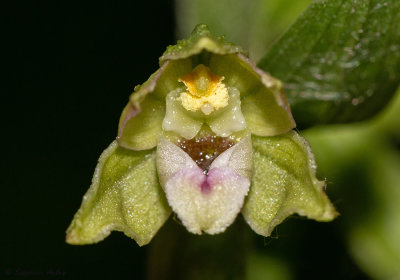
(201, 39)
(284, 183)
(125, 195)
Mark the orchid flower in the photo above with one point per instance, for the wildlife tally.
(207, 137)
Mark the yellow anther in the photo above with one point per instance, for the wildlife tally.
(205, 91)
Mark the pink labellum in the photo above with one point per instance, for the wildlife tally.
(205, 202)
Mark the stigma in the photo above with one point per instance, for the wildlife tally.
(205, 91)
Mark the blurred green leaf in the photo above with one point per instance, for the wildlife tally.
(375, 241)
(125, 195)
(253, 24)
(362, 163)
(340, 61)
(264, 267)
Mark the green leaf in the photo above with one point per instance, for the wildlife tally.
(363, 165)
(125, 196)
(340, 61)
(284, 183)
(253, 24)
(374, 242)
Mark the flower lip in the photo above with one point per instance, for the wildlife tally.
(205, 202)
(204, 150)
(171, 158)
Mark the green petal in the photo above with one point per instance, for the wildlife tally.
(139, 128)
(264, 105)
(284, 183)
(125, 196)
(141, 120)
(263, 116)
(201, 39)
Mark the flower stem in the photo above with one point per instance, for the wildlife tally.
(177, 254)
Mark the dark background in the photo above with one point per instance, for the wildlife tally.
(70, 70)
